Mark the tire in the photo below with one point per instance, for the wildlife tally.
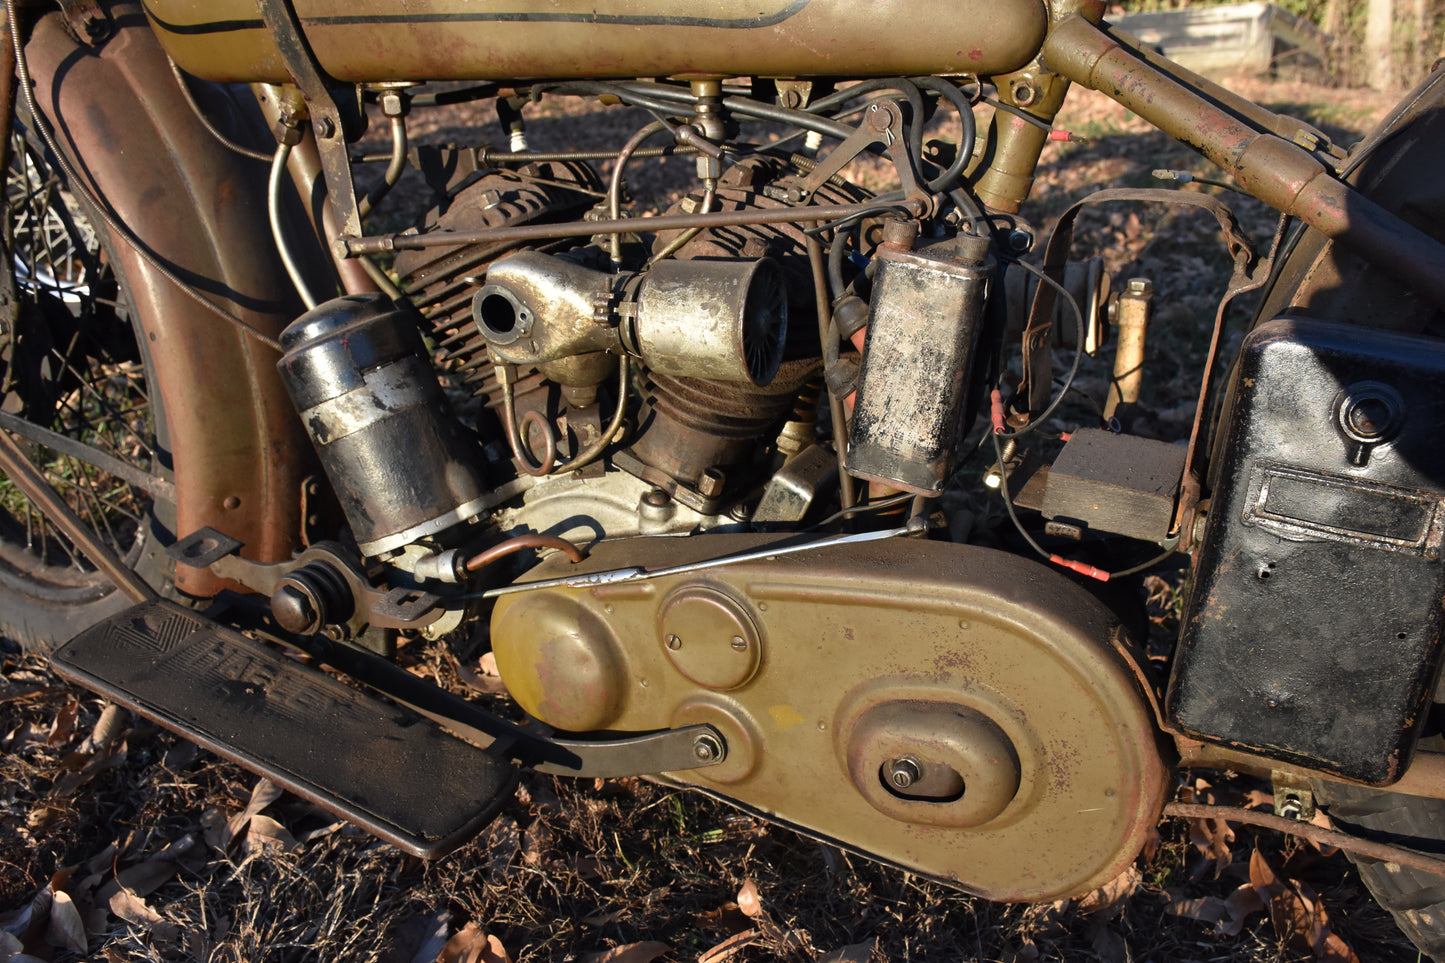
(1415, 899)
(72, 363)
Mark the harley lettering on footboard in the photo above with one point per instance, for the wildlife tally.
(783, 492)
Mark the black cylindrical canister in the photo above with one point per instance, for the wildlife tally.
(358, 373)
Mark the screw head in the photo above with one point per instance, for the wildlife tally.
(902, 772)
(674, 643)
(739, 643)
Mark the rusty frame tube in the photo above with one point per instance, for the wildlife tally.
(1425, 775)
(1283, 175)
(34, 486)
(379, 243)
(233, 436)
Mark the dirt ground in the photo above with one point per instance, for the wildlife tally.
(121, 842)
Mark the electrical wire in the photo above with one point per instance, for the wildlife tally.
(215, 132)
(890, 502)
(77, 186)
(1078, 316)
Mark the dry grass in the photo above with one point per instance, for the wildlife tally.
(218, 871)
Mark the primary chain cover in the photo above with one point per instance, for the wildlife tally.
(962, 713)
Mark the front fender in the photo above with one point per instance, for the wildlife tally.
(237, 450)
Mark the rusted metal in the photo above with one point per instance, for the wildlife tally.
(1425, 775)
(521, 234)
(916, 630)
(362, 382)
(452, 40)
(1316, 834)
(925, 318)
(1282, 174)
(233, 435)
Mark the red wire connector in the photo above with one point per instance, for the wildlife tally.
(995, 400)
(1086, 570)
(1067, 137)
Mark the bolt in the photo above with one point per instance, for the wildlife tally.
(740, 643)
(325, 128)
(674, 643)
(903, 771)
(490, 199)
(1140, 287)
(1291, 807)
(710, 484)
(1020, 241)
(294, 610)
(708, 748)
(656, 497)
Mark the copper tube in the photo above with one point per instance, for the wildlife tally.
(1327, 837)
(521, 543)
(523, 233)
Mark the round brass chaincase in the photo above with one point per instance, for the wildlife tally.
(960, 712)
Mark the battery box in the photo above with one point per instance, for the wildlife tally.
(1312, 629)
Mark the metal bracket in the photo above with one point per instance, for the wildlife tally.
(88, 20)
(385, 608)
(882, 124)
(333, 128)
(670, 750)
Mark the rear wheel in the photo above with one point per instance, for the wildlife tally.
(1415, 899)
(70, 362)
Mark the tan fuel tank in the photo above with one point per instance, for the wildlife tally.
(419, 40)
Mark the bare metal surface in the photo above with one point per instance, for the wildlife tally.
(872, 625)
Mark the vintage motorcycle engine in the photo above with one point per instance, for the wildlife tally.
(962, 711)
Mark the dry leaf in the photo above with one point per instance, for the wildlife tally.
(631, 953)
(1205, 909)
(131, 908)
(748, 900)
(263, 794)
(472, 944)
(1112, 894)
(853, 953)
(729, 946)
(263, 832)
(65, 930)
(1212, 838)
(1242, 904)
(63, 725)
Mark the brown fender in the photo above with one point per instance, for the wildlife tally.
(236, 446)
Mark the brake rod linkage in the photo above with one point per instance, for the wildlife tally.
(617, 576)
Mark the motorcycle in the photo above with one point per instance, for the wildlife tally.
(258, 435)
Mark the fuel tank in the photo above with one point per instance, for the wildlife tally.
(419, 40)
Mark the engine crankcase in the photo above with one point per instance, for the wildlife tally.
(956, 711)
